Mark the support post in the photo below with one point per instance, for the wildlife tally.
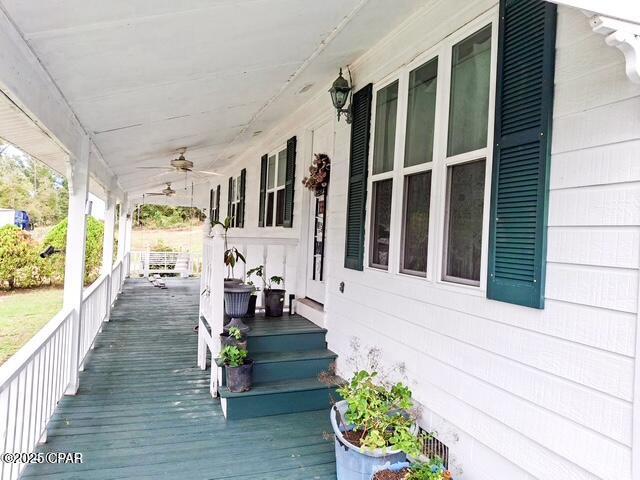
(122, 227)
(78, 176)
(217, 300)
(107, 248)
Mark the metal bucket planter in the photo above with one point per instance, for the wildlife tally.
(355, 463)
(227, 341)
(236, 302)
(251, 310)
(274, 302)
(239, 378)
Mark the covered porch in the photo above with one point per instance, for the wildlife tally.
(143, 409)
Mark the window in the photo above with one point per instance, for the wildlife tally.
(235, 199)
(463, 231)
(439, 132)
(469, 104)
(276, 178)
(415, 231)
(383, 160)
(381, 226)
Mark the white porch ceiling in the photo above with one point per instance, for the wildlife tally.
(147, 77)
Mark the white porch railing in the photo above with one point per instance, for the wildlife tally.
(182, 263)
(34, 380)
(279, 257)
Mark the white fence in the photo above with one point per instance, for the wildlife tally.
(147, 262)
(277, 255)
(34, 379)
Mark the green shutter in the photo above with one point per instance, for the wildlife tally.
(358, 169)
(217, 214)
(289, 183)
(263, 188)
(520, 184)
(229, 192)
(211, 210)
(243, 181)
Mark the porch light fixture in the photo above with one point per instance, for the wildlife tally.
(340, 91)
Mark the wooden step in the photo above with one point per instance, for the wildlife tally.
(282, 334)
(275, 398)
(276, 366)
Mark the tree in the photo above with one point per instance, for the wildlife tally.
(26, 184)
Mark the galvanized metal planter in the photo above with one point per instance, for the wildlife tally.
(236, 303)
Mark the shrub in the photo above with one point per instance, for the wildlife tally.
(161, 246)
(57, 237)
(21, 265)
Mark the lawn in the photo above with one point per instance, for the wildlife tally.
(22, 314)
(186, 240)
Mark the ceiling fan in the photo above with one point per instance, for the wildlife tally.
(180, 165)
(166, 191)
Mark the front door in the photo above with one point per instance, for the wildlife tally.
(316, 265)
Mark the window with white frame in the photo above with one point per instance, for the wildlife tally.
(276, 177)
(234, 205)
(428, 161)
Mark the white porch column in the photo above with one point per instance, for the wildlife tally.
(122, 227)
(78, 177)
(107, 245)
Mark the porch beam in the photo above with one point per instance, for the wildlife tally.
(78, 177)
(27, 84)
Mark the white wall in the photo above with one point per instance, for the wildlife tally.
(517, 393)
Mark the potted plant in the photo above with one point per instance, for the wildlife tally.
(238, 368)
(273, 297)
(231, 255)
(373, 426)
(234, 338)
(432, 469)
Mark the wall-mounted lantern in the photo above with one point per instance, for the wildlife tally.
(340, 91)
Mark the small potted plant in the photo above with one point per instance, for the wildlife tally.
(238, 368)
(273, 297)
(432, 469)
(234, 337)
(231, 255)
(373, 425)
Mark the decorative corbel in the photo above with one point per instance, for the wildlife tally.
(625, 36)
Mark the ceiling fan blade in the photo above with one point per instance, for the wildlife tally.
(155, 168)
(205, 172)
(154, 193)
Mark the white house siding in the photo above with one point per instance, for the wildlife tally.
(517, 393)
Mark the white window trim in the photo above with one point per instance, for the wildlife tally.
(235, 198)
(439, 164)
(275, 189)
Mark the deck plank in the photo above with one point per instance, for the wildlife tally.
(143, 409)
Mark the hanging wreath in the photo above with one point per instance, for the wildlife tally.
(318, 179)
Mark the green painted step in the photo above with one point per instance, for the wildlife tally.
(283, 334)
(276, 366)
(275, 398)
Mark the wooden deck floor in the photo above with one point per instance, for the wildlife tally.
(143, 410)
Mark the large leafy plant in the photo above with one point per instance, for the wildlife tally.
(233, 356)
(267, 283)
(231, 255)
(380, 413)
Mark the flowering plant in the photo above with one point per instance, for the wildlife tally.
(319, 170)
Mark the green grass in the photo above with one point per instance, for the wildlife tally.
(22, 314)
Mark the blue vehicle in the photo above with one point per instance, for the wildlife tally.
(19, 218)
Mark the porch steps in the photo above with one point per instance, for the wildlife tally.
(289, 352)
